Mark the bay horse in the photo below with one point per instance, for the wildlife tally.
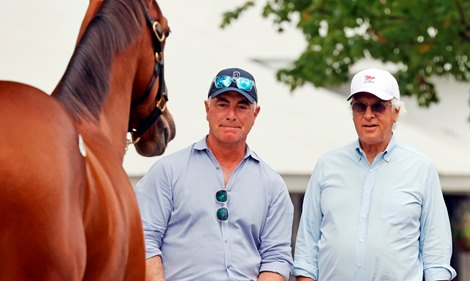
(67, 208)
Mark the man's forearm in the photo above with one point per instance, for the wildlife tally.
(154, 269)
(270, 276)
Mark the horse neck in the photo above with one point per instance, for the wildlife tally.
(107, 121)
(97, 86)
(114, 115)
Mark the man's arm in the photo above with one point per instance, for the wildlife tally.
(153, 194)
(308, 234)
(270, 276)
(435, 231)
(275, 248)
(154, 269)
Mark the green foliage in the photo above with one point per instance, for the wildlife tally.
(424, 37)
(229, 16)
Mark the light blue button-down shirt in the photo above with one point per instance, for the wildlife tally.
(178, 207)
(385, 221)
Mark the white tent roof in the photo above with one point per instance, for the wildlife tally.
(292, 130)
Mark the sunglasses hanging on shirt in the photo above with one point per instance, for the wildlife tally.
(221, 197)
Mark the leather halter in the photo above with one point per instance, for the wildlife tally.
(162, 96)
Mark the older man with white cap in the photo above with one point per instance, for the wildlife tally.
(374, 209)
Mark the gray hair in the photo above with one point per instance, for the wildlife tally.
(399, 105)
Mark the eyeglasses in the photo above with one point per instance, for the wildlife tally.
(359, 107)
(221, 196)
(224, 81)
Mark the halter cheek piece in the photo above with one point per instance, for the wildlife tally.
(162, 96)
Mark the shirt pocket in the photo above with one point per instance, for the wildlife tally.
(401, 207)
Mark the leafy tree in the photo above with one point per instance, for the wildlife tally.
(424, 37)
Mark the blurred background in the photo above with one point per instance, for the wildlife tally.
(294, 127)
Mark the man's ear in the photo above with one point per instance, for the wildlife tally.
(395, 115)
(206, 106)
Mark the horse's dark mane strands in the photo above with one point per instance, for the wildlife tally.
(85, 83)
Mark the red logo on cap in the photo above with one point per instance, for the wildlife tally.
(368, 79)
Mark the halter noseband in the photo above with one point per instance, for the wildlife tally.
(162, 96)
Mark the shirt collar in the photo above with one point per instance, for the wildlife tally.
(202, 145)
(386, 154)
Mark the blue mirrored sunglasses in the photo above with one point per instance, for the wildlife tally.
(221, 196)
(224, 81)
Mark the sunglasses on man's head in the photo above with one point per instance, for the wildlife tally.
(359, 107)
(224, 81)
(221, 196)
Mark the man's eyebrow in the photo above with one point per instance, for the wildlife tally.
(222, 99)
(244, 101)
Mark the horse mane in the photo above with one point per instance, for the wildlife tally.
(84, 85)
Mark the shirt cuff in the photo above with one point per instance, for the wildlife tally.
(281, 268)
(305, 269)
(151, 251)
(439, 273)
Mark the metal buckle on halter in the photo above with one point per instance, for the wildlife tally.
(161, 104)
(157, 30)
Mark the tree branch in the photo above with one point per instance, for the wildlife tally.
(466, 33)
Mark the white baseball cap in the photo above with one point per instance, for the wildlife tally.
(376, 81)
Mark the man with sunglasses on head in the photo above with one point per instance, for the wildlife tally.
(216, 211)
(374, 209)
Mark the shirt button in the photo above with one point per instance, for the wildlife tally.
(360, 241)
(359, 265)
(226, 241)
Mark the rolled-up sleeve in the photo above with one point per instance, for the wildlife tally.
(275, 248)
(436, 237)
(153, 193)
(308, 235)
